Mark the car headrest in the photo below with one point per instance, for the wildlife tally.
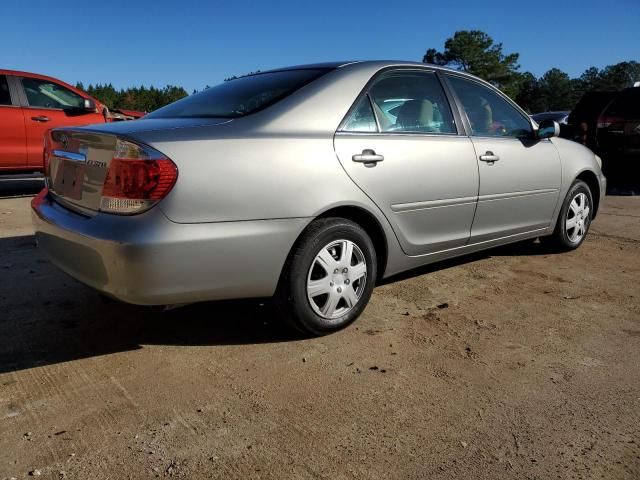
(415, 113)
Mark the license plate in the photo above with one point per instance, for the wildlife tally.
(69, 179)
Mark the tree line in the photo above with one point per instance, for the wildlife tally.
(135, 98)
(472, 51)
(475, 52)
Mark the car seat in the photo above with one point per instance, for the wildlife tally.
(415, 115)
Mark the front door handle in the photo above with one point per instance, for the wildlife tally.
(367, 156)
(489, 157)
(40, 118)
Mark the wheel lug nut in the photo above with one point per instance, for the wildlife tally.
(345, 270)
(339, 289)
(331, 284)
(347, 282)
(335, 271)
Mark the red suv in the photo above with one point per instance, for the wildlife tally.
(31, 104)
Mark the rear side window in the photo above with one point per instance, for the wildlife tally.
(362, 118)
(46, 94)
(241, 96)
(5, 96)
(411, 102)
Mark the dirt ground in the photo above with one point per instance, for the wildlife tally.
(516, 364)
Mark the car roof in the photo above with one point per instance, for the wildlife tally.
(18, 73)
(375, 65)
(371, 63)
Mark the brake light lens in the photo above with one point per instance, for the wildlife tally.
(605, 121)
(138, 177)
(46, 155)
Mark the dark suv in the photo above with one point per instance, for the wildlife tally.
(619, 126)
(618, 139)
(583, 119)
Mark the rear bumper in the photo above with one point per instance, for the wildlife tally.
(148, 260)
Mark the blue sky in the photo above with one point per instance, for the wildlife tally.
(194, 43)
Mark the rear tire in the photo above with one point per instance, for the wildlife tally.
(328, 278)
(574, 219)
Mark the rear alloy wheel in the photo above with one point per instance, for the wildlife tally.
(337, 279)
(329, 277)
(574, 218)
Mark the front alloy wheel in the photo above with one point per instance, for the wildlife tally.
(578, 216)
(574, 218)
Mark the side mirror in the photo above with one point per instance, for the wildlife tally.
(89, 104)
(548, 129)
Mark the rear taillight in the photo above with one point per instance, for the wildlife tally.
(605, 121)
(138, 177)
(45, 156)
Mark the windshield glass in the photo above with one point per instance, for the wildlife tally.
(240, 96)
(626, 104)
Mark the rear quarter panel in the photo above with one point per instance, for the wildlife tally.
(277, 163)
(255, 178)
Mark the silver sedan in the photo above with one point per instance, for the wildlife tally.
(308, 184)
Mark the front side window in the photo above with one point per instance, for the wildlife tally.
(412, 102)
(489, 114)
(5, 96)
(46, 94)
(241, 96)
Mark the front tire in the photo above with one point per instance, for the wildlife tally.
(329, 277)
(574, 218)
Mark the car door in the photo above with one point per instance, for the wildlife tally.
(520, 175)
(48, 104)
(13, 150)
(401, 145)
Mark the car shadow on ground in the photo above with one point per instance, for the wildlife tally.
(12, 186)
(524, 248)
(47, 318)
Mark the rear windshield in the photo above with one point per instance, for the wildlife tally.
(240, 96)
(590, 106)
(627, 103)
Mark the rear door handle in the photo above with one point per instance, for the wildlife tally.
(489, 157)
(367, 156)
(40, 118)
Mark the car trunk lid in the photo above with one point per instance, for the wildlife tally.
(77, 160)
(76, 165)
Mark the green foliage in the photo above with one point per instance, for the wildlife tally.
(233, 77)
(475, 52)
(556, 90)
(613, 77)
(135, 98)
(529, 96)
(471, 51)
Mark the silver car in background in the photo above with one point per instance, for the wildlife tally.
(310, 184)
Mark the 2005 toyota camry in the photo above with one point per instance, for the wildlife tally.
(309, 184)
